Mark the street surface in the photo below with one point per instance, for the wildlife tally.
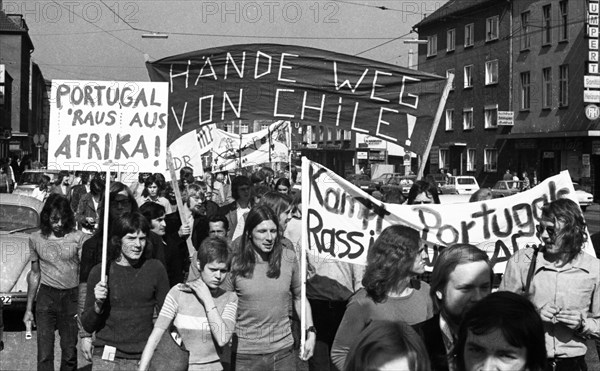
(20, 354)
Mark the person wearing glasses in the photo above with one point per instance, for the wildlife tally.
(52, 282)
(564, 286)
(422, 192)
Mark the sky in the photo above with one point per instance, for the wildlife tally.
(102, 39)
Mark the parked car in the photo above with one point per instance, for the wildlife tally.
(584, 198)
(403, 182)
(504, 188)
(31, 179)
(363, 182)
(461, 184)
(384, 178)
(19, 217)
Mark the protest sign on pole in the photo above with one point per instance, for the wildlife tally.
(300, 84)
(231, 151)
(107, 125)
(101, 125)
(342, 221)
(186, 151)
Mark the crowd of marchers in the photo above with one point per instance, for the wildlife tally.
(233, 301)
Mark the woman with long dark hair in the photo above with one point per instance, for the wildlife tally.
(390, 292)
(264, 274)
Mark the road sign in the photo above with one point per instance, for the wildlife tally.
(506, 118)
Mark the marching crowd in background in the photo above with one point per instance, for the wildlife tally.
(235, 303)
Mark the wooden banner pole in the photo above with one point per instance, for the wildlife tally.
(436, 122)
(105, 226)
(175, 185)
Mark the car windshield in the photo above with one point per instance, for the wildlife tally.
(465, 181)
(13, 217)
(500, 185)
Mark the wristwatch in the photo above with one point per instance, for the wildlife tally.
(311, 329)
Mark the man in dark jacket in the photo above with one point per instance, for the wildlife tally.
(462, 276)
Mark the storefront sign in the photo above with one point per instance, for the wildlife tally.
(506, 118)
(591, 81)
(592, 112)
(591, 96)
(361, 155)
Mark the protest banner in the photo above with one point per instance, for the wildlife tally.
(341, 221)
(107, 126)
(300, 84)
(186, 151)
(231, 151)
(102, 125)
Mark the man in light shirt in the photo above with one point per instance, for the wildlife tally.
(235, 212)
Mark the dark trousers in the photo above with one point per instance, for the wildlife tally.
(567, 364)
(281, 360)
(327, 316)
(56, 309)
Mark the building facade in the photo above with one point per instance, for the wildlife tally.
(23, 93)
(471, 41)
(544, 52)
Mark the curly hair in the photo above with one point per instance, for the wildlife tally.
(573, 235)
(244, 258)
(57, 204)
(389, 260)
(148, 182)
(515, 317)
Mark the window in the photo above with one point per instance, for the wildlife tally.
(471, 159)
(443, 158)
(491, 116)
(563, 85)
(491, 72)
(547, 88)
(563, 27)
(449, 119)
(525, 31)
(244, 129)
(450, 40)
(431, 45)
(338, 134)
(229, 128)
(451, 71)
(264, 126)
(491, 28)
(490, 160)
(546, 25)
(468, 118)
(469, 34)
(468, 76)
(525, 91)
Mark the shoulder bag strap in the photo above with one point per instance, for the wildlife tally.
(531, 271)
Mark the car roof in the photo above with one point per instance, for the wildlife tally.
(21, 200)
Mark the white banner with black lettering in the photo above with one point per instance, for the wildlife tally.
(341, 221)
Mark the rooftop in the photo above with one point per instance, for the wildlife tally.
(452, 8)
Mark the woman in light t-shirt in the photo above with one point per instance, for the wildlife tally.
(203, 314)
